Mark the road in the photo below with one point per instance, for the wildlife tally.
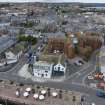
(61, 85)
(5, 43)
(81, 75)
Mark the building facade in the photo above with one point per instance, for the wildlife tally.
(42, 69)
(60, 67)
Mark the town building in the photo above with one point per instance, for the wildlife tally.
(42, 69)
(59, 67)
(56, 43)
(90, 39)
(60, 43)
(10, 57)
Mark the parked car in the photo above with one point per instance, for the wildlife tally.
(78, 63)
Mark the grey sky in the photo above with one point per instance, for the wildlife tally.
(85, 1)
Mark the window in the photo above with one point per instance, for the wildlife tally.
(46, 71)
(58, 68)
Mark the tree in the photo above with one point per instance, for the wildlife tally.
(21, 84)
(33, 90)
(60, 94)
(28, 24)
(29, 39)
(38, 87)
(74, 98)
(49, 91)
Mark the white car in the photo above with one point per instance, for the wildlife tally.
(78, 63)
(90, 77)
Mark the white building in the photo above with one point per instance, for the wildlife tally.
(42, 69)
(59, 67)
(11, 57)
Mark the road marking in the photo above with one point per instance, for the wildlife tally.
(83, 80)
(75, 74)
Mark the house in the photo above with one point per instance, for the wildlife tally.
(42, 69)
(59, 67)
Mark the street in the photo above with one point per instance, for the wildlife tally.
(74, 83)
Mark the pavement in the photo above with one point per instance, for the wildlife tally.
(7, 92)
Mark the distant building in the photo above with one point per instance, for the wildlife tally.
(4, 24)
(32, 33)
(42, 69)
(90, 39)
(102, 60)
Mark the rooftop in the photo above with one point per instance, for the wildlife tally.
(58, 35)
(42, 65)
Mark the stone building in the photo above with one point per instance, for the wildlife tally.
(62, 44)
(93, 41)
(56, 45)
(69, 51)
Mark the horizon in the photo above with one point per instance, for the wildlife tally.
(54, 1)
